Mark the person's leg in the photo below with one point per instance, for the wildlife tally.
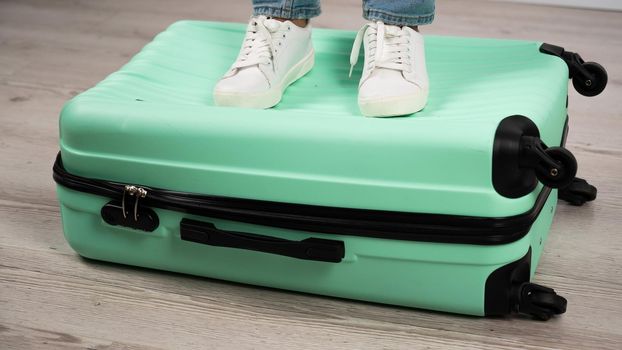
(287, 9)
(395, 79)
(410, 13)
(276, 51)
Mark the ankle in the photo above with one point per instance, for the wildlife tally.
(415, 28)
(298, 22)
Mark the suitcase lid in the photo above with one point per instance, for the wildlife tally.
(153, 123)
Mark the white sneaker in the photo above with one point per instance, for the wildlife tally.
(274, 54)
(395, 79)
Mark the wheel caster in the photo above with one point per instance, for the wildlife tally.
(588, 78)
(592, 83)
(561, 172)
(539, 302)
(521, 159)
(578, 192)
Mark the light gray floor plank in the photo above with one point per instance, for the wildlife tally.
(51, 298)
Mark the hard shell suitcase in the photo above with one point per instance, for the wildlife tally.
(447, 209)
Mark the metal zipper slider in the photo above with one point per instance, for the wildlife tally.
(132, 190)
(144, 218)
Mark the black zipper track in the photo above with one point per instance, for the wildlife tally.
(323, 219)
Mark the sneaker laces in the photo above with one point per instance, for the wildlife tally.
(258, 46)
(388, 47)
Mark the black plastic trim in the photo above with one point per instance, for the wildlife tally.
(565, 132)
(323, 219)
(146, 219)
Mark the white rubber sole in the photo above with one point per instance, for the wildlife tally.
(394, 106)
(270, 97)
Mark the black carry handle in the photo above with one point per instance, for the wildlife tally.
(316, 249)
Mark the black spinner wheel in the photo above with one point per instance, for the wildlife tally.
(594, 85)
(578, 192)
(547, 305)
(540, 302)
(558, 177)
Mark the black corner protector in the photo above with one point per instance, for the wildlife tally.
(499, 298)
(508, 178)
(146, 219)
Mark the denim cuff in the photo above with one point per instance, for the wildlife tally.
(397, 19)
(295, 13)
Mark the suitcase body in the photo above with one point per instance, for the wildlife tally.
(432, 211)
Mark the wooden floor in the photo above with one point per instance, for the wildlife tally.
(51, 50)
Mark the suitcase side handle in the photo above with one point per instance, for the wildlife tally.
(316, 249)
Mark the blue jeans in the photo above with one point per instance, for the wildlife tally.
(392, 12)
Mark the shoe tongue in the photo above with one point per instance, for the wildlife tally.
(272, 25)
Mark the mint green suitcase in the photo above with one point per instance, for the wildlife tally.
(447, 209)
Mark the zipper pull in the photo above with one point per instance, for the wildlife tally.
(128, 189)
(140, 193)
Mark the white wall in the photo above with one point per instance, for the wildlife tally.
(592, 4)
